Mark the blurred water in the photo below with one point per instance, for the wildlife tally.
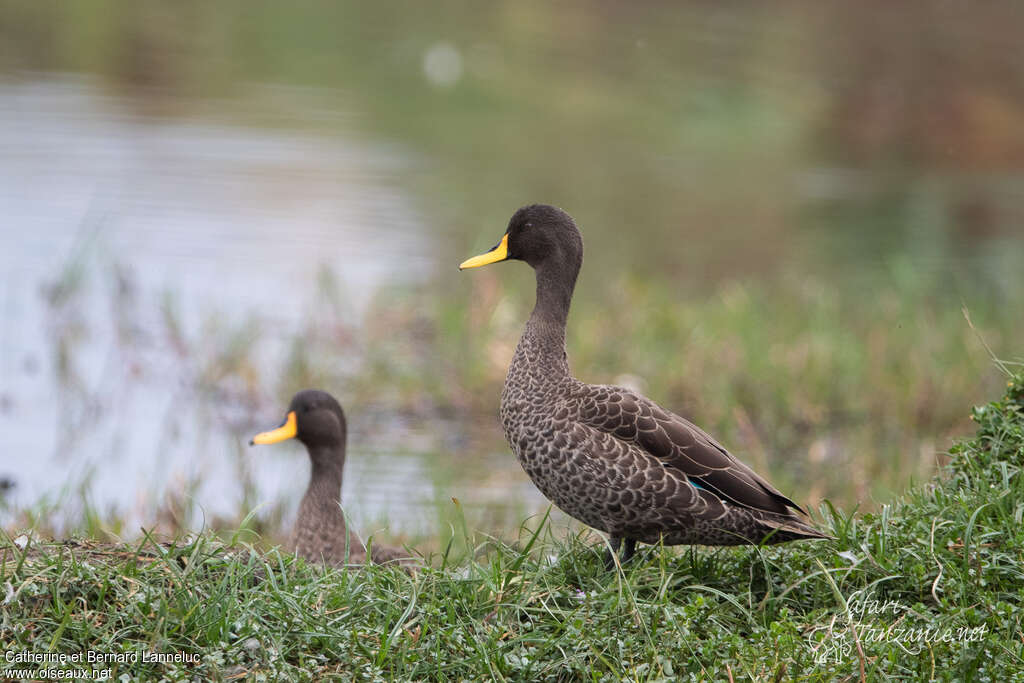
(228, 219)
(250, 212)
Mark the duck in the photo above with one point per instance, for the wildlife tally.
(321, 534)
(606, 455)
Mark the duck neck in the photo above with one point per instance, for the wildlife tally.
(554, 295)
(325, 481)
(543, 342)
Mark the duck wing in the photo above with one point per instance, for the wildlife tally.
(678, 444)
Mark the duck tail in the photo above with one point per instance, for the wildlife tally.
(781, 529)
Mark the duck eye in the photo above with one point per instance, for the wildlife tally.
(528, 225)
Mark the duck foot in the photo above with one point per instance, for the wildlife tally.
(627, 552)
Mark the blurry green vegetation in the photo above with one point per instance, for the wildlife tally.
(785, 208)
(844, 399)
(841, 400)
(727, 127)
(928, 588)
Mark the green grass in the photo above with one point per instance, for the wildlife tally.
(927, 588)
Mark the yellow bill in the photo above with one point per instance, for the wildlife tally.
(285, 431)
(498, 253)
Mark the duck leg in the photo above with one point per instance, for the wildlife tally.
(629, 550)
(609, 554)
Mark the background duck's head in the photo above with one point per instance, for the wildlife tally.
(314, 418)
(539, 234)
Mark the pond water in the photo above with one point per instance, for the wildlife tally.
(230, 221)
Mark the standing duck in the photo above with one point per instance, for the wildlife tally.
(321, 533)
(606, 455)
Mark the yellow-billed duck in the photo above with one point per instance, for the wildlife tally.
(606, 455)
(321, 534)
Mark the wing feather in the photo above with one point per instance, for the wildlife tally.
(681, 445)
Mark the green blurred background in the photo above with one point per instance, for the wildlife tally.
(207, 206)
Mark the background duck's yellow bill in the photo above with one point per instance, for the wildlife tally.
(286, 431)
(499, 253)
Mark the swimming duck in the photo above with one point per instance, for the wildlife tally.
(606, 455)
(321, 534)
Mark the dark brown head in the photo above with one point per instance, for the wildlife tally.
(542, 235)
(314, 418)
(547, 238)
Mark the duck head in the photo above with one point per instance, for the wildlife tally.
(314, 418)
(542, 235)
(546, 238)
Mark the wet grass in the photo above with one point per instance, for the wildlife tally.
(926, 588)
